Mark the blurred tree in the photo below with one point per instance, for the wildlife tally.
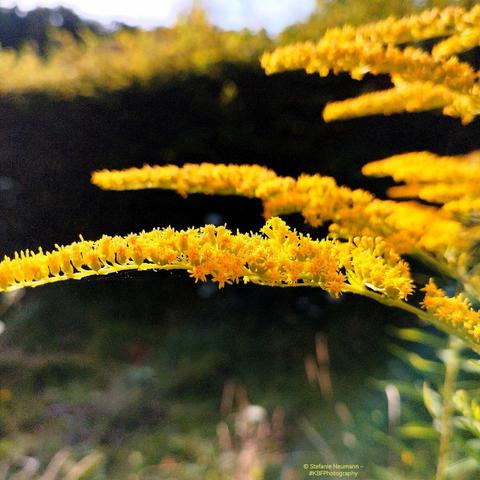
(18, 27)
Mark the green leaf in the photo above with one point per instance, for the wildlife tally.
(418, 336)
(432, 401)
(418, 431)
(471, 366)
(416, 361)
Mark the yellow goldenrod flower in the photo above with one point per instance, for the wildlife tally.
(428, 24)
(461, 42)
(359, 58)
(422, 81)
(434, 192)
(383, 272)
(451, 179)
(406, 97)
(217, 179)
(454, 311)
(425, 167)
(278, 256)
(405, 226)
(414, 97)
(191, 178)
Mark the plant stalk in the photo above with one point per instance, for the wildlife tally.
(451, 374)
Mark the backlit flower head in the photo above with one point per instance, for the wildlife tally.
(425, 25)
(277, 256)
(358, 58)
(406, 97)
(426, 167)
(191, 178)
(454, 311)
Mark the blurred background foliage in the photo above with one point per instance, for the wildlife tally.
(146, 376)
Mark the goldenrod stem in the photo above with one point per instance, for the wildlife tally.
(391, 302)
(105, 270)
(421, 314)
(451, 373)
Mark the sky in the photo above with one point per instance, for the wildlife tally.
(273, 15)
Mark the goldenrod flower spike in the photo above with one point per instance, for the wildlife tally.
(426, 167)
(430, 177)
(428, 24)
(413, 97)
(406, 97)
(191, 178)
(435, 192)
(359, 58)
(217, 179)
(422, 81)
(278, 256)
(405, 227)
(374, 266)
(456, 312)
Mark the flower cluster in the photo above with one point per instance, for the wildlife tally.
(426, 167)
(191, 178)
(277, 256)
(370, 263)
(359, 58)
(422, 81)
(410, 97)
(442, 192)
(454, 311)
(450, 180)
(405, 226)
(367, 234)
(428, 24)
(406, 97)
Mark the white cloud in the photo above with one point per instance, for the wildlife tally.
(234, 14)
